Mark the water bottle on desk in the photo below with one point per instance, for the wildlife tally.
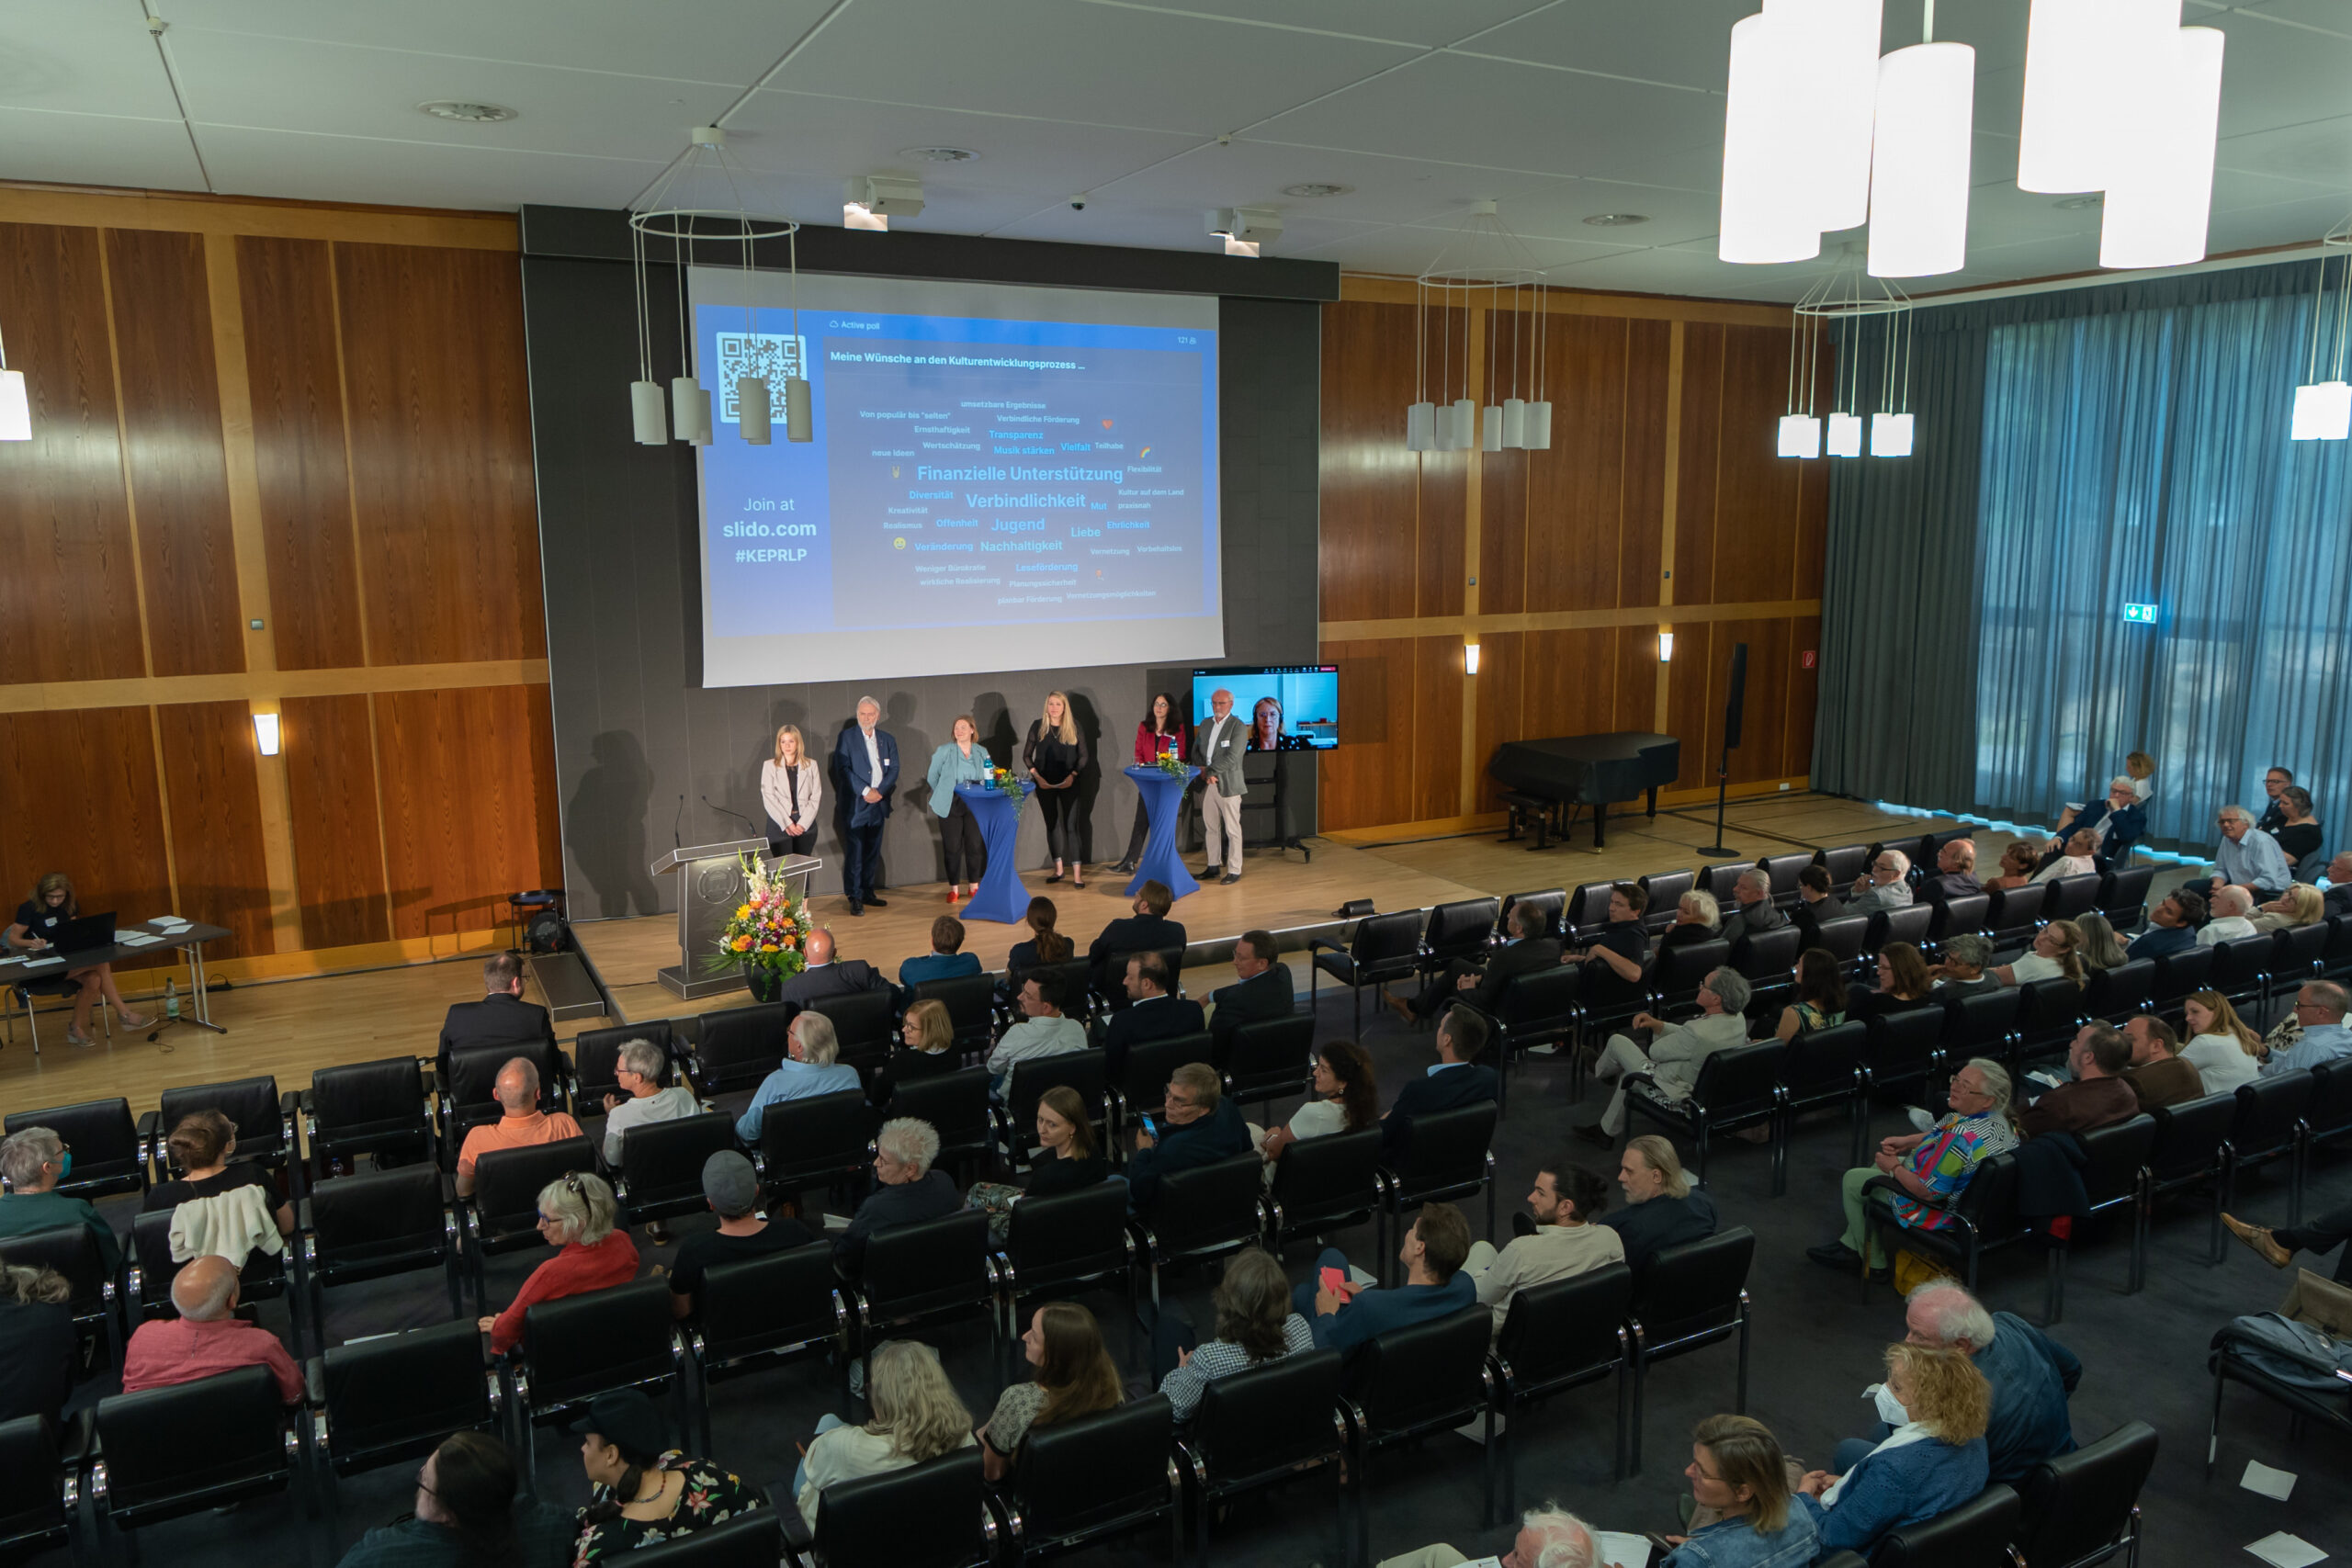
(171, 998)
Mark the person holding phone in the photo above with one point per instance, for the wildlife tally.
(1435, 1284)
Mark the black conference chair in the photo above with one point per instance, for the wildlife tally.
(1094, 1479)
(1841, 938)
(74, 1252)
(970, 1001)
(502, 1214)
(1384, 950)
(2013, 914)
(1272, 1058)
(2123, 894)
(1111, 985)
(2327, 1115)
(2180, 974)
(933, 1515)
(864, 1022)
(2113, 1178)
(1983, 1219)
(753, 1538)
(2337, 962)
(1844, 865)
(2269, 1125)
(1448, 1157)
(1551, 903)
(377, 1224)
(1086, 1071)
(2241, 968)
(382, 1110)
(1461, 930)
(2049, 1017)
(148, 1269)
(392, 1397)
(1956, 917)
(1784, 870)
(1975, 1534)
(597, 1053)
(1677, 972)
(466, 1093)
(107, 1156)
(40, 1488)
(928, 1272)
(2084, 1508)
(1690, 1296)
(1062, 1243)
(1409, 1383)
(1765, 961)
(1587, 910)
(1556, 1337)
(575, 1348)
(735, 1049)
(957, 1106)
(1540, 1007)
(2190, 1150)
(1738, 1086)
(1142, 1088)
(1264, 1426)
(1906, 1050)
(1886, 927)
(1820, 1070)
(1325, 1184)
(2300, 957)
(1664, 889)
(2115, 994)
(825, 1138)
(2302, 1404)
(165, 1453)
(757, 1313)
(2070, 898)
(661, 1170)
(1983, 1023)
(1718, 881)
(1206, 1212)
(265, 1122)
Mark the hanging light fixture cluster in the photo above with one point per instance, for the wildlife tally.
(1847, 296)
(1483, 257)
(2323, 409)
(669, 212)
(1822, 133)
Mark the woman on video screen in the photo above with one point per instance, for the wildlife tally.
(1266, 729)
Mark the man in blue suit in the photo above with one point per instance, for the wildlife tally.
(865, 769)
(2119, 821)
(1433, 1253)
(1152, 1012)
(1456, 1080)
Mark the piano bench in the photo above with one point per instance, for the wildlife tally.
(1529, 810)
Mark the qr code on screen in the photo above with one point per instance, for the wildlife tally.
(776, 355)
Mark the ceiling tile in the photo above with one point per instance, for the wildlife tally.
(409, 174)
(1399, 21)
(1384, 189)
(88, 149)
(81, 56)
(1686, 42)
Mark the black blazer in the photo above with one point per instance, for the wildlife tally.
(842, 977)
(1136, 933)
(1155, 1018)
(496, 1019)
(1247, 1001)
(1523, 957)
(1809, 917)
(1466, 1085)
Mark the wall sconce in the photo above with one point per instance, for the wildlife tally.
(1470, 658)
(1665, 646)
(265, 733)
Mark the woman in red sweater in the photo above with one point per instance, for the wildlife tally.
(1162, 730)
(576, 1217)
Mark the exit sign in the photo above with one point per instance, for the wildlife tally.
(2144, 614)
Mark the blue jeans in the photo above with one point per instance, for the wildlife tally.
(825, 1424)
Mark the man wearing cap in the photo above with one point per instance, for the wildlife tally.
(732, 1189)
(643, 1489)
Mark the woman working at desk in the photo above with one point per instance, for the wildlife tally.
(38, 920)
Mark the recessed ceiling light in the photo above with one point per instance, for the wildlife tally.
(1314, 190)
(471, 114)
(2076, 203)
(1617, 219)
(938, 155)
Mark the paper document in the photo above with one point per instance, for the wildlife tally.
(1361, 1279)
(2270, 1482)
(137, 938)
(837, 1222)
(2287, 1550)
(1622, 1549)
(43, 963)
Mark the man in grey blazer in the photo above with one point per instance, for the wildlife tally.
(1219, 745)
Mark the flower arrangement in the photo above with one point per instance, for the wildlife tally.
(1007, 782)
(768, 929)
(1169, 763)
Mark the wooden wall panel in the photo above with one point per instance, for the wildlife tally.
(1701, 437)
(1361, 782)
(1635, 705)
(1502, 680)
(1432, 765)
(82, 789)
(1441, 563)
(1688, 695)
(1576, 499)
(1756, 491)
(339, 851)
(1502, 532)
(288, 293)
(172, 453)
(441, 441)
(69, 601)
(210, 757)
(1648, 347)
(466, 777)
(1571, 684)
(1369, 480)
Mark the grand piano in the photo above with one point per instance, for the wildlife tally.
(1544, 782)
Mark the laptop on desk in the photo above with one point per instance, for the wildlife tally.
(82, 934)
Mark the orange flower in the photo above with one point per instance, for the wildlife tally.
(742, 944)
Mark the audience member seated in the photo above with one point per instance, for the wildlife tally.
(1151, 1013)
(2246, 860)
(642, 1491)
(2158, 1075)
(2114, 824)
(946, 961)
(35, 1159)
(811, 1066)
(2142, 770)
(2339, 885)
(520, 1123)
(2274, 809)
(231, 1209)
(1937, 1403)
(1821, 995)
(1261, 989)
(2278, 1247)
(2224, 1051)
(1042, 1032)
(1816, 902)
(1614, 963)
(1075, 1376)
(38, 1347)
(1435, 1247)
(1904, 981)
(2300, 834)
(501, 1017)
(1740, 1514)
(731, 1188)
(905, 1190)
(207, 1336)
(917, 1418)
(1147, 929)
(1697, 918)
(1456, 1079)
(926, 1044)
(2029, 1376)
(469, 1514)
(1346, 1100)
(2098, 1097)
(1882, 886)
(1676, 1052)
(2172, 925)
(2302, 904)
(827, 975)
(1931, 1167)
(1197, 1126)
(1254, 1325)
(1754, 912)
(576, 1218)
(2102, 949)
(2319, 1008)
(644, 1098)
(1046, 944)
(2079, 857)
(1955, 873)
(1549, 1536)
(2057, 953)
(1065, 1160)
(1662, 1208)
(1558, 1237)
(1481, 984)
(1961, 971)
(2017, 862)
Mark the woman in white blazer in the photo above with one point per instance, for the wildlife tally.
(790, 787)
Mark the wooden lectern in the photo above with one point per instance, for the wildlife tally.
(710, 887)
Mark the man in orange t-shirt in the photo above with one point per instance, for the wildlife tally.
(523, 1124)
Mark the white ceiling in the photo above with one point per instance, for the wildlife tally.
(1558, 109)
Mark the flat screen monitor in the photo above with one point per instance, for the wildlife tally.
(1289, 707)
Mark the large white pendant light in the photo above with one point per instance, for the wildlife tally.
(1481, 262)
(1797, 128)
(2159, 201)
(2323, 409)
(1920, 156)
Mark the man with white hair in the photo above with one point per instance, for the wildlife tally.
(521, 1123)
(1883, 887)
(906, 1188)
(207, 1336)
(2248, 860)
(1549, 1536)
(2232, 907)
(865, 769)
(1676, 1052)
(1753, 910)
(2319, 1008)
(1955, 872)
(2115, 823)
(640, 1069)
(34, 1159)
(812, 1066)
(1218, 746)
(2031, 1375)
(2337, 898)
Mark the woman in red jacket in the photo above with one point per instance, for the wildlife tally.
(575, 1217)
(1162, 730)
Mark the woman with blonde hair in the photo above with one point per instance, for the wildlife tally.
(961, 760)
(917, 1418)
(2302, 904)
(926, 1043)
(1934, 1461)
(1739, 1487)
(1055, 755)
(2102, 949)
(790, 787)
(38, 920)
(577, 1214)
(2224, 1051)
(2057, 954)
(1075, 1377)
(1697, 918)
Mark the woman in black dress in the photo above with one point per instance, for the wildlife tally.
(1055, 755)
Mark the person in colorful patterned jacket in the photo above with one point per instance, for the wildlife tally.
(1933, 1167)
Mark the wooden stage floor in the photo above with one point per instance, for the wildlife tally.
(290, 1028)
